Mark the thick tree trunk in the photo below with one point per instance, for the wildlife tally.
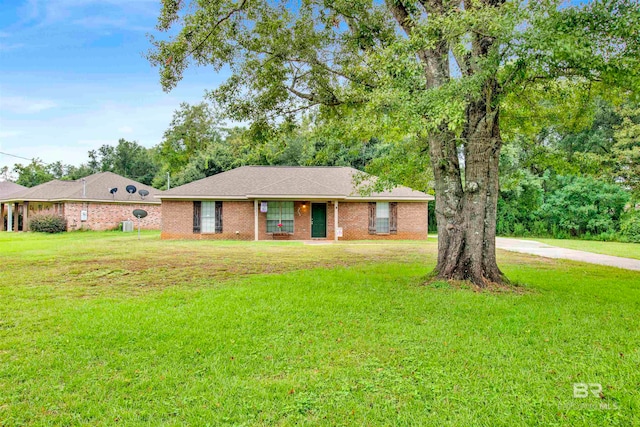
(466, 214)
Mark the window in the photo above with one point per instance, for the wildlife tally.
(280, 213)
(208, 224)
(382, 217)
(207, 217)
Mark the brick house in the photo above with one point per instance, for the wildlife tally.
(299, 203)
(96, 202)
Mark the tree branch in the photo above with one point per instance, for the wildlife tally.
(216, 26)
(399, 12)
(464, 63)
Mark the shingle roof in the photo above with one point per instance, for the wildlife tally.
(252, 182)
(97, 188)
(7, 188)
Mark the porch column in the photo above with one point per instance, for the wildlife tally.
(255, 220)
(1, 216)
(335, 220)
(25, 216)
(9, 217)
(16, 215)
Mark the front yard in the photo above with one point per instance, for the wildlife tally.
(100, 329)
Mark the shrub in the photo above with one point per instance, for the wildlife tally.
(521, 195)
(519, 230)
(630, 227)
(584, 205)
(48, 224)
(539, 228)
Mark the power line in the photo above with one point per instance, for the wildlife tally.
(13, 155)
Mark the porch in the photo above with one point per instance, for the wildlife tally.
(16, 214)
(311, 219)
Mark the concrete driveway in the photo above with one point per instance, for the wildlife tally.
(536, 248)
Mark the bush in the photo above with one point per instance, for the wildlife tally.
(519, 230)
(584, 205)
(539, 229)
(520, 197)
(48, 224)
(630, 227)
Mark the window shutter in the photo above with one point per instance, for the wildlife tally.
(372, 217)
(197, 212)
(393, 218)
(218, 217)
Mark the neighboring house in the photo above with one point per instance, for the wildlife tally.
(7, 188)
(300, 203)
(89, 203)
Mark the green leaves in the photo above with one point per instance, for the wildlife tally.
(192, 129)
(333, 53)
(585, 205)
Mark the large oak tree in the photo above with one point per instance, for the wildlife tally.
(438, 70)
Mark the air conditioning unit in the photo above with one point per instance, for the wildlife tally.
(127, 226)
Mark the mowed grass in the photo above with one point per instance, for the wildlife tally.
(626, 250)
(103, 329)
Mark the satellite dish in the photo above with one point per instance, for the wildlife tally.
(131, 189)
(113, 190)
(139, 213)
(143, 193)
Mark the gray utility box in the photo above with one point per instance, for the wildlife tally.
(127, 226)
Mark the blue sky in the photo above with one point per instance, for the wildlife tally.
(73, 77)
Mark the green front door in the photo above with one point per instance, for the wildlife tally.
(318, 220)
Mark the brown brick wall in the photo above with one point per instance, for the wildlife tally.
(237, 221)
(354, 220)
(238, 217)
(42, 208)
(107, 216)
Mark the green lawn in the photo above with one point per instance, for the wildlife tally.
(103, 329)
(627, 250)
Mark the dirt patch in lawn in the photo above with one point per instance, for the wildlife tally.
(162, 264)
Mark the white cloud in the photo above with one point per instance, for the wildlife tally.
(22, 105)
(125, 129)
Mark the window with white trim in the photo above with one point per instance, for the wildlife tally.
(280, 217)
